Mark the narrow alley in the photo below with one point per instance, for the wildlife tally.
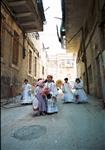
(52, 74)
(74, 127)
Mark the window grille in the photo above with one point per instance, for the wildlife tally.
(15, 48)
(35, 66)
(2, 37)
(30, 61)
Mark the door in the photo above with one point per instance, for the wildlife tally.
(99, 77)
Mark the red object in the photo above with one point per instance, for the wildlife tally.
(45, 91)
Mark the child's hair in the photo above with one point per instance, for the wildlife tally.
(66, 79)
(77, 80)
(39, 79)
(25, 80)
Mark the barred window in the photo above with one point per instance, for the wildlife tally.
(104, 31)
(2, 37)
(103, 35)
(15, 53)
(84, 78)
(43, 70)
(30, 61)
(90, 74)
(35, 66)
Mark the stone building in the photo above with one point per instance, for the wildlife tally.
(42, 55)
(19, 55)
(84, 23)
(91, 57)
(61, 66)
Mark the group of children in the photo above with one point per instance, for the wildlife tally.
(78, 95)
(44, 98)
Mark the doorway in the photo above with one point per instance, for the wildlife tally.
(98, 77)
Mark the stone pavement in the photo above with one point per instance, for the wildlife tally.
(74, 127)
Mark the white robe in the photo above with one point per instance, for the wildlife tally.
(80, 92)
(27, 96)
(35, 100)
(68, 95)
(52, 103)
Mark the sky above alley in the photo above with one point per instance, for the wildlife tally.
(49, 35)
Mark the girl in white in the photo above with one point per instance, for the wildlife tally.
(80, 94)
(68, 95)
(27, 96)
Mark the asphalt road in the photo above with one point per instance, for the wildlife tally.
(74, 127)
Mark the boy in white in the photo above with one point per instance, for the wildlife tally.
(68, 95)
(27, 96)
(79, 93)
(52, 97)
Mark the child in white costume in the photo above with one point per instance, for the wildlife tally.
(27, 96)
(79, 91)
(68, 95)
(52, 96)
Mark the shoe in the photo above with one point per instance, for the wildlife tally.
(43, 114)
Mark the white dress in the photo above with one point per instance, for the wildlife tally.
(68, 95)
(35, 100)
(27, 96)
(51, 102)
(79, 91)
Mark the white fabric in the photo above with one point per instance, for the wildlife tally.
(35, 103)
(60, 95)
(36, 90)
(80, 92)
(27, 96)
(51, 106)
(52, 87)
(68, 95)
(52, 103)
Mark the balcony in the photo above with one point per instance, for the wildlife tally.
(74, 14)
(28, 14)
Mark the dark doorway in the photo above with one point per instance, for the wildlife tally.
(98, 77)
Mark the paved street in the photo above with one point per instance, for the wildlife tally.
(75, 127)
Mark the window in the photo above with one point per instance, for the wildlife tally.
(35, 35)
(43, 70)
(102, 25)
(15, 48)
(2, 37)
(92, 16)
(30, 61)
(90, 74)
(35, 66)
(86, 29)
(84, 79)
(103, 34)
(69, 63)
(62, 64)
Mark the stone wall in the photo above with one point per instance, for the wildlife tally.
(94, 53)
(12, 76)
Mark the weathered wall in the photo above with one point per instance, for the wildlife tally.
(95, 59)
(12, 76)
